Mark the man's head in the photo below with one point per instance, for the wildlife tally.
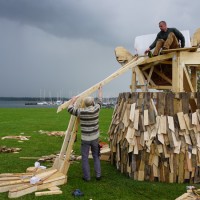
(89, 101)
(163, 26)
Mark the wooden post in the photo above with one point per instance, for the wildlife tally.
(177, 80)
(133, 81)
(194, 77)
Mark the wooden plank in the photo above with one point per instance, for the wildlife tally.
(133, 81)
(181, 120)
(65, 165)
(133, 63)
(132, 112)
(146, 118)
(59, 160)
(9, 187)
(189, 49)
(181, 168)
(161, 103)
(136, 119)
(28, 188)
(54, 188)
(162, 75)
(159, 58)
(45, 193)
(169, 108)
(150, 74)
(163, 124)
(190, 58)
(177, 74)
(170, 120)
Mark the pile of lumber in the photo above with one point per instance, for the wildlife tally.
(151, 139)
(16, 137)
(192, 194)
(19, 184)
(4, 149)
(53, 133)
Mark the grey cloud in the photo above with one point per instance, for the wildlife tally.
(69, 45)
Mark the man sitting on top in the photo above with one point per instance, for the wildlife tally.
(167, 38)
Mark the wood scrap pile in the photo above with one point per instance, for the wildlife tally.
(53, 133)
(19, 184)
(192, 194)
(150, 141)
(16, 137)
(4, 149)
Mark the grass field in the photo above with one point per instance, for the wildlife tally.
(113, 185)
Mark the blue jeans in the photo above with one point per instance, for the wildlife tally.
(85, 147)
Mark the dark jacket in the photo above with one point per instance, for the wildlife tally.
(163, 35)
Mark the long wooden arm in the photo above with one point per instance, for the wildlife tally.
(92, 89)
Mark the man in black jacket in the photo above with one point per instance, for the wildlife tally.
(167, 38)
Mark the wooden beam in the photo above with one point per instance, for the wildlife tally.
(157, 58)
(191, 49)
(64, 168)
(116, 74)
(150, 74)
(133, 81)
(166, 62)
(194, 77)
(163, 76)
(146, 75)
(161, 87)
(190, 58)
(44, 193)
(188, 79)
(177, 74)
(59, 160)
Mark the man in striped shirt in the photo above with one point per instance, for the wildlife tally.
(89, 123)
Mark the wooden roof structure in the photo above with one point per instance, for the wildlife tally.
(174, 70)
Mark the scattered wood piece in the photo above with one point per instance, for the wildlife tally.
(4, 149)
(48, 192)
(16, 137)
(53, 133)
(192, 194)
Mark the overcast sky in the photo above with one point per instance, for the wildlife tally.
(63, 47)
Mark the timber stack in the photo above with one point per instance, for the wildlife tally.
(150, 141)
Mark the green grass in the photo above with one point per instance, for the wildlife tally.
(113, 185)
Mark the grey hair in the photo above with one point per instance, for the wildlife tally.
(89, 101)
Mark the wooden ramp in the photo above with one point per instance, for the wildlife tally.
(20, 184)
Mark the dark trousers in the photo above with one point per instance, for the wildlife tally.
(85, 148)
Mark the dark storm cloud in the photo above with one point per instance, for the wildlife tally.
(68, 45)
(72, 19)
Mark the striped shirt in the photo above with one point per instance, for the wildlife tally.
(89, 120)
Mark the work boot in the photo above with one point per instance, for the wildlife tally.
(150, 55)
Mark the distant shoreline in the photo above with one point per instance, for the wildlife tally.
(30, 99)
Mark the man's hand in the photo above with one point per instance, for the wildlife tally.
(73, 100)
(100, 92)
(147, 51)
